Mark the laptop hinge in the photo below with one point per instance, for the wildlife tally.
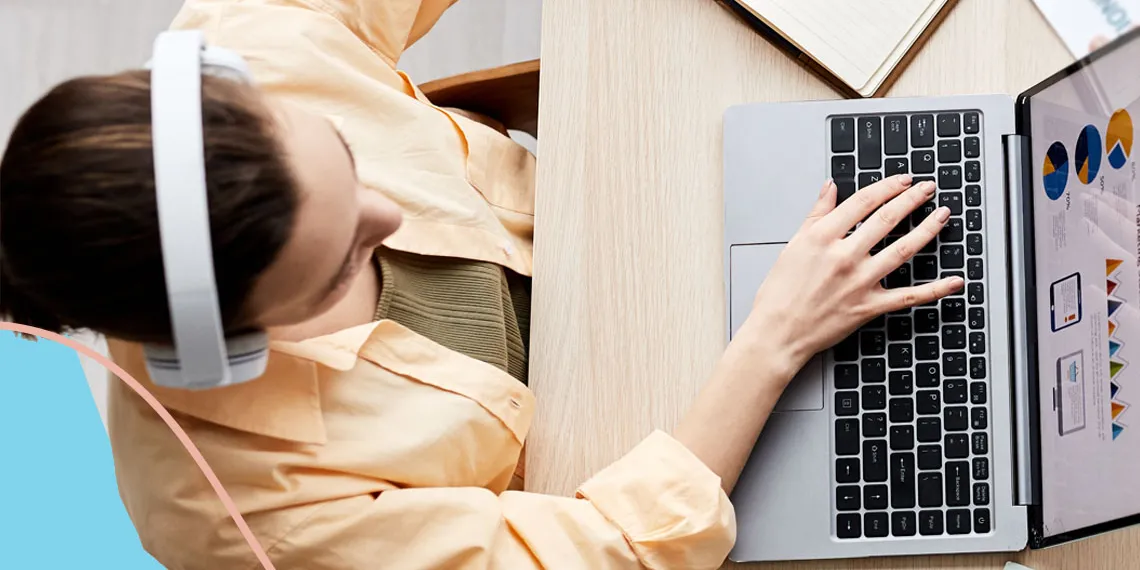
(1024, 412)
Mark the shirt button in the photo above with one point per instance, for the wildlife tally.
(515, 403)
(508, 248)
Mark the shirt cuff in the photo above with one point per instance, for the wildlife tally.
(669, 505)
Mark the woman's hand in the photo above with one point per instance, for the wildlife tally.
(826, 284)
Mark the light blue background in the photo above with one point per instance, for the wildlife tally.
(60, 506)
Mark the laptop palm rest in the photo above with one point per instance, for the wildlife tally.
(749, 266)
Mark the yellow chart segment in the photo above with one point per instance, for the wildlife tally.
(1116, 409)
(1118, 138)
(1049, 168)
(1110, 265)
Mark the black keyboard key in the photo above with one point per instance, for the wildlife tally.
(902, 410)
(982, 521)
(921, 213)
(843, 167)
(899, 328)
(902, 480)
(977, 342)
(977, 318)
(901, 382)
(954, 364)
(953, 337)
(949, 151)
(846, 376)
(952, 200)
(894, 135)
(973, 147)
(876, 323)
(974, 244)
(875, 460)
(874, 370)
(843, 135)
(980, 443)
(925, 268)
(876, 525)
(900, 277)
(847, 350)
(981, 468)
(874, 397)
(978, 368)
(974, 199)
(973, 172)
(971, 123)
(903, 523)
(923, 162)
(957, 445)
(870, 137)
(979, 418)
(958, 521)
(952, 231)
(847, 470)
(929, 457)
(954, 418)
(978, 393)
(847, 436)
(928, 402)
(926, 321)
(902, 438)
(875, 497)
(897, 165)
(844, 190)
(873, 343)
(847, 403)
(952, 256)
(868, 178)
(954, 391)
(927, 374)
(926, 347)
(949, 125)
(950, 178)
(874, 425)
(953, 310)
(974, 270)
(847, 525)
(929, 490)
(847, 498)
(929, 430)
(922, 131)
(981, 494)
(976, 295)
(957, 483)
(900, 356)
(930, 523)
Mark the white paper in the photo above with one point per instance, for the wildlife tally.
(1085, 25)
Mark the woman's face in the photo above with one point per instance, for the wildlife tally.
(338, 226)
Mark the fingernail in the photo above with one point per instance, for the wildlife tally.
(942, 214)
(957, 282)
(928, 187)
(826, 187)
(905, 179)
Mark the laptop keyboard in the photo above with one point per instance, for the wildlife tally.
(911, 445)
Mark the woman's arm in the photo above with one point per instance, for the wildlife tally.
(824, 285)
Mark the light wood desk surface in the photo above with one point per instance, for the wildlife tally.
(628, 301)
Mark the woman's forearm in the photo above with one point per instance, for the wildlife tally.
(724, 423)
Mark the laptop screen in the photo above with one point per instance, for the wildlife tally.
(1086, 222)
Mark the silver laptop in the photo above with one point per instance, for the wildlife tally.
(997, 417)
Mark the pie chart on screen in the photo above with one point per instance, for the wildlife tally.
(1087, 154)
(1055, 172)
(1118, 139)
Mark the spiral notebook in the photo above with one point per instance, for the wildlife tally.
(859, 47)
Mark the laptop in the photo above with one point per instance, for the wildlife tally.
(999, 416)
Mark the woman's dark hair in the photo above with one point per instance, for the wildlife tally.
(79, 237)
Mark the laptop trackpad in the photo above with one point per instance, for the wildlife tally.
(749, 266)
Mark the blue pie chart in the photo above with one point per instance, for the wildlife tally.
(1087, 154)
(1055, 171)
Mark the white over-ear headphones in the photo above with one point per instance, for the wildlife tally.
(201, 357)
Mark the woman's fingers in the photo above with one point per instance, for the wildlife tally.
(824, 204)
(856, 208)
(906, 246)
(876, 227)
(906, 297)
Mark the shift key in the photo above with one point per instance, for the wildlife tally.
(902, 480)
(870, 136)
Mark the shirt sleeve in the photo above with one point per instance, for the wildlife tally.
(388, 26)
(659, 507)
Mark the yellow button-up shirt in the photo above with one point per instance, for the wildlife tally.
(375, 447)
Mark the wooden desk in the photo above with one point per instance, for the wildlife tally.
(628, 300)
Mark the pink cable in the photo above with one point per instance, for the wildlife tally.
(192, 449)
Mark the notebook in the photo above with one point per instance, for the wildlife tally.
(859, 47)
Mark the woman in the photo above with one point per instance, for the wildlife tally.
(385, 246)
